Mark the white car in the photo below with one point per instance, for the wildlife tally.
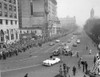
(57, 41)
(78, 41)
(51, 61)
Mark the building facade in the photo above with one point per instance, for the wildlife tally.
(37, 14)
(31, 15)
(9, 30)
(52, 17)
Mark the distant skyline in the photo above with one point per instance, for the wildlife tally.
(78, 8)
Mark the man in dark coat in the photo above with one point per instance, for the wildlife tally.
(26, 75)
(83, 64)
(94, 60)
(74, 70)
(86, 66)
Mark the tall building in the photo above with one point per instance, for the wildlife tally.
(52, 8)
(9, 31)
(31, 15)
(52, 17)
(37, 15)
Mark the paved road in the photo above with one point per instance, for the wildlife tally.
(33, 57)
(38, 70)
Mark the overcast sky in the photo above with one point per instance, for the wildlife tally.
(79, 8)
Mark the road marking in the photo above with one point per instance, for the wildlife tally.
(20, 68)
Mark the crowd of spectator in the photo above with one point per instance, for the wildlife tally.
(13, 49)
(10, 50)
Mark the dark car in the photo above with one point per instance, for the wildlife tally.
(75, 45)
(56, 53)
(67, 53)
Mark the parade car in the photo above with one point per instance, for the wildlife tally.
(51, 43)
(51, 61)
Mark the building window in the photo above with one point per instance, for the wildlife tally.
(6, 14)
(14, 1)
(10, 7)
(5, 0)
(5, 6)
(16, 35)
(15, 22)
(1, 21)
(6, 22)
(31, 6)
(15, 16)
(10, 1)
(2, 38)
(0, 5)
(11, 22)
(11, 15)
(14, 8)
(7, 37)
(27, 31)
(20, 32)
(12, 36)
(0, 13)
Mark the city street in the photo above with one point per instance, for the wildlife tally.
(33, 64)
(49, 38)
(32, 57)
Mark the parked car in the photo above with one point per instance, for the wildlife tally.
(51, 43)
(57, 41)
(51, 61)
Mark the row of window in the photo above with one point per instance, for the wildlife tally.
(7, 37)
(6, 22)
(6, 7)
(11, 15)
(11, 1)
